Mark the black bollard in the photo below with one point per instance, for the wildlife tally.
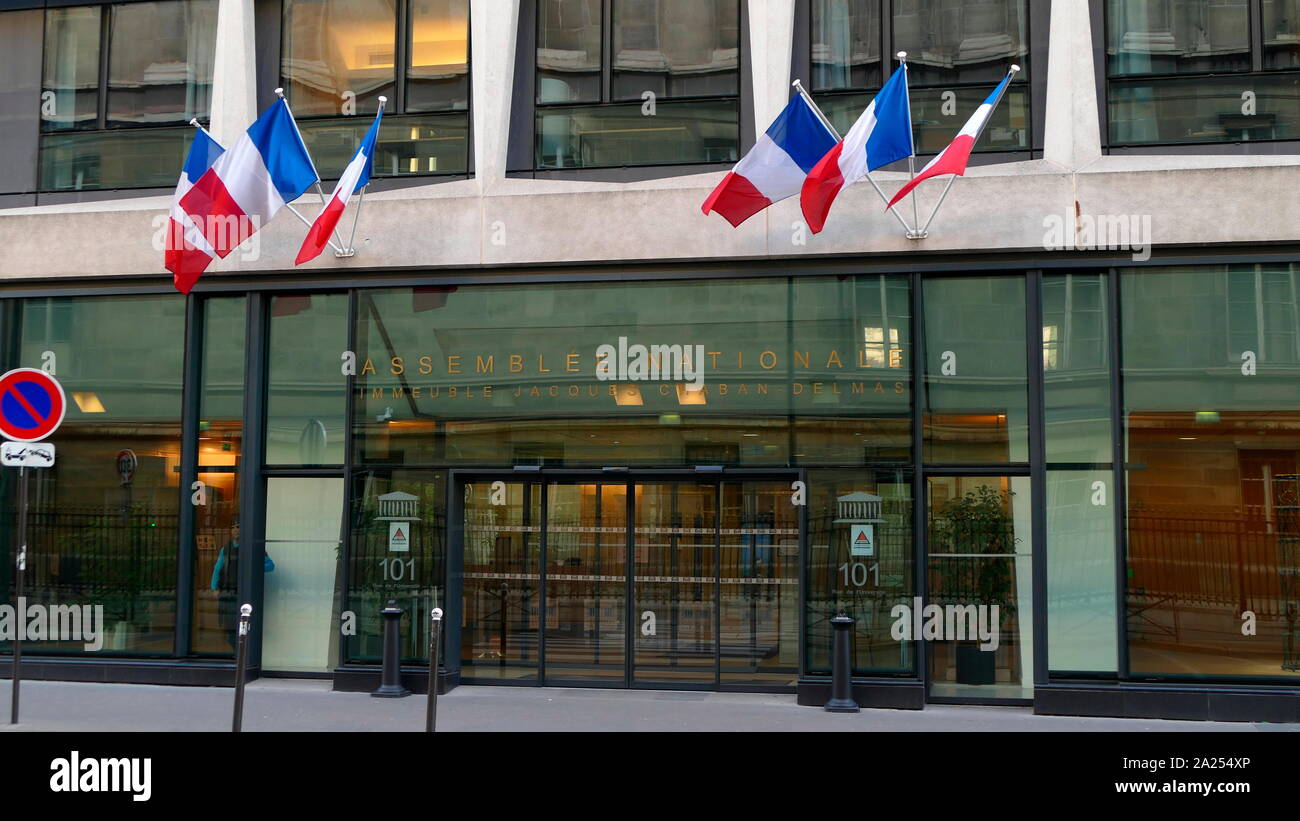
(842, 667)
(435, 633)
(241, 666)
(390, 686)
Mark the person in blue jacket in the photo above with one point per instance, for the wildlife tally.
(225, 583)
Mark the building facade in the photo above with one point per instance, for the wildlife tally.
(1048, 454)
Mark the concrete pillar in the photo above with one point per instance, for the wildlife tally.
(771, 35)
(1072, 137)
(493, 28)
(234, 72)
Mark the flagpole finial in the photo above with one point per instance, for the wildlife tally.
(279, 92)
(383, 99)
(1015, 69)
(902, 55)
(194, 121)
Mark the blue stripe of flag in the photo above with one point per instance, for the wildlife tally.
(277, 139)
(801, 134)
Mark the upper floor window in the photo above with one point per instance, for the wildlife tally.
(637, 82)
(338, 57)
(110, 71)
(957, 51)
(1195, 71)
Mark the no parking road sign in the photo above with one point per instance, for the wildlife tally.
(32, 405)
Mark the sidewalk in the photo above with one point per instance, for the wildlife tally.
(298, 705)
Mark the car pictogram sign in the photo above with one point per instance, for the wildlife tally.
(32, 405)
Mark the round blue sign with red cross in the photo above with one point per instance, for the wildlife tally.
(31, 405)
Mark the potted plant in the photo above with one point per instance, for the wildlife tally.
(976, 523)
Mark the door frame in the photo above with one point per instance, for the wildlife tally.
(628, 476)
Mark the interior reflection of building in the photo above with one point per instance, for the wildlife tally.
(1212, 536)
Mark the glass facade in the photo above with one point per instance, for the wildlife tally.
(157, 76)
(637, 82)
(1192, 71)
(957, 52)
(679, 483)
(338, 57)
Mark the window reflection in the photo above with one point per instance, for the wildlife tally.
(658, 53)
(1178, 36)
(103, 520)
(169, 81)
(437, 77)
(338, 52)
(70, 90)
(1214, 456)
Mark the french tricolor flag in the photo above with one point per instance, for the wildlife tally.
(955, 158)
(248, 184)
(354, 178)
(188, 253)
(882, 135)
(775, 167)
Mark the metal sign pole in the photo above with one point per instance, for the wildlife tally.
(435, 633)
(241, 666)
(20, 571)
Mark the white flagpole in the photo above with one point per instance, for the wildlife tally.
(911, 159)
(361, 195)
(195, 122)
(826, 122)
(1015, 69)
(279, 92)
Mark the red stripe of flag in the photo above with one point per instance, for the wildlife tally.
(821, 187)
(186, 262)
(736, 199)
(219, 217)
(318, 236)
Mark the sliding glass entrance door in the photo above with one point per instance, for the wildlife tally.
(655, 583)
(586, 584)
(675, 581)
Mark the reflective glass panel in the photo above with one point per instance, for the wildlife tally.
(675, 48)
(569, 51)
(437, 73)
(398, 550)
(304, 520)
(1177, 36)
(219, 546)
(338, 53)
(618, 135)
(962, 41)
(758, 639)
(70, 88)
(1281, 23)
(103, 519)
(1211, 361)
(979, 613)
(502, 572)
(489, 375)
(976, 388)
(860, 561)
(407, 145)
(306, 391)
(1204, 109)
(674, 585)
(845, 44)
(160, 58)
(113, 159)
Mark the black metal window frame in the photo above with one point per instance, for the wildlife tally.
(521, 160)
(269, 23)
(1039, 13)
(101, 120)
(1100, 17)
(1030, 269)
